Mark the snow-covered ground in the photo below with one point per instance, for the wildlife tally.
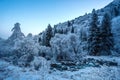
(11, 72)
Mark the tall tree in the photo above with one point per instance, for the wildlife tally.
(68, 24)
(17, 34)
(93, 39)
(43, 39)
(107, 42)
(48, 35)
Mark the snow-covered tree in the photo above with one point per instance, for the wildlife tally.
(48, 35)
(65, 47)
(116, 33)
(107, 42)
(17, 34)
(68, 24)
(24, 51)
(94, 39)
(42, 39)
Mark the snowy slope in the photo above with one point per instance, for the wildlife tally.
(83, 21)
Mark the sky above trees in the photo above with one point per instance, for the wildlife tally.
(35, 15)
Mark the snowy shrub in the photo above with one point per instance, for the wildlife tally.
(25, 50)
(37, 63)
(45, 52)
(27, 45)
(40, 63)
(24, 61)
(65, 47)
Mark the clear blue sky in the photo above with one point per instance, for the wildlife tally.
(35, 15)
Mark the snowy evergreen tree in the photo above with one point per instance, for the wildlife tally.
(17, 34)
(48, 35)
(43, 39)
(107, 42)
(94, 40)
(68, 24)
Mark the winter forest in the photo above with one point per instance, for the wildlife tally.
(85, 48)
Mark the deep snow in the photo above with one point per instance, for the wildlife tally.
(11, 72)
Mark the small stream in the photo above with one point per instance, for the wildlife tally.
(75, 66)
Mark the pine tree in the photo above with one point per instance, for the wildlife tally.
(68, 24)
(94, 40)
(107, 41)
(48, 35)
(43, 40)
